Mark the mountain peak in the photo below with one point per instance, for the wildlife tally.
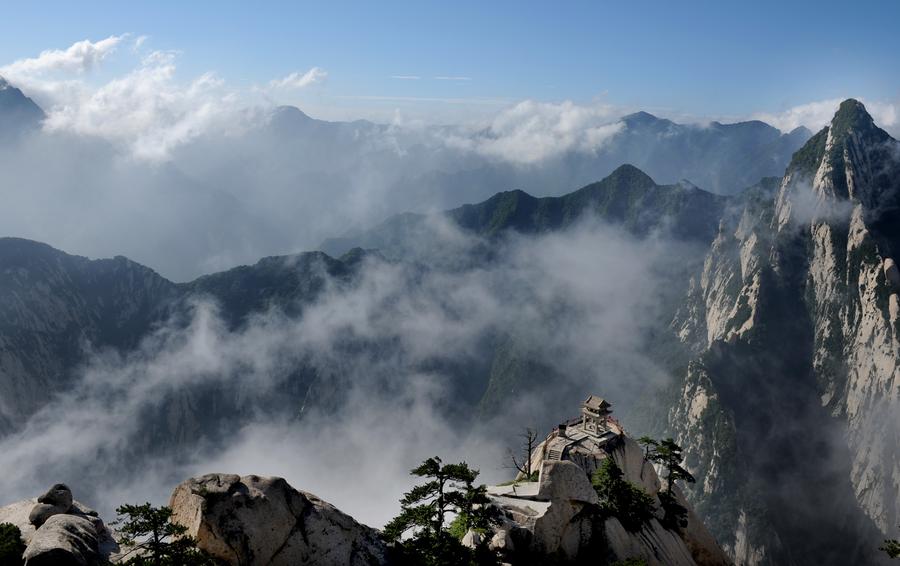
(17, 111)
(640, 118)
(630, 173)
(851, 115)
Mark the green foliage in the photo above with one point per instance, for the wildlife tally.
(154, 540)
(621, 499)
(630, 562)
(891, 547)
(11, 545)
(806, 159)
(450, 488)
(670, 456)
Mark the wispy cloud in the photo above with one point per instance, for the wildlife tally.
(443, 100)
(298, 80)
(80, 57)
(406, 77)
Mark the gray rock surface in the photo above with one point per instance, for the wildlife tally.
(558, 515)
(64, 540)
(77, 536)
(57, 500)
(255, 520)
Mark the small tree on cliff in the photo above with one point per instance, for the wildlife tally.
(450, 488)
(648, 444)
(620, 498)
(891, 548)
(522, 463)
(669, 455)
(153, 539)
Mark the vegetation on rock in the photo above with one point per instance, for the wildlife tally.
(420, 533)
(891, 548)
(154, 540)
(621, 499)
(11, 545)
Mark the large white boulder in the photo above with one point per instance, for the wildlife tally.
(64, 540)
(85, 537)
(254, 520)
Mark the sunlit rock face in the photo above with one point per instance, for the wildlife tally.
(263, 520)
(792, 392)
(555, 516)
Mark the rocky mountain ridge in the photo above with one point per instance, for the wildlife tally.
(793, 330)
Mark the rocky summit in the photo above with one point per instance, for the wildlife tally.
(794, 325)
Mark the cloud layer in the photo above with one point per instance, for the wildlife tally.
(382, 349)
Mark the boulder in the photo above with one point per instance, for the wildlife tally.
(565, 481)
(254, 520)
(472, 539)
(21, 513)
(57, 500)
(64, 540)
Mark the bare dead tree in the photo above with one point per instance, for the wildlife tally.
(522, 462)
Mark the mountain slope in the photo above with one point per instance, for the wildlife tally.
(628, 197)
(794, 331)
(18, 113)
(54, 306)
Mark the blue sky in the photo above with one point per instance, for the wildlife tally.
(717, 59)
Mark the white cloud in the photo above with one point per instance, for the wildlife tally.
(147, 109)
(80, 57)
(299, 80)
(406, 77)
(816, 115)
(533, 131)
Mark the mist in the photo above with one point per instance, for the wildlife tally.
(384, 352)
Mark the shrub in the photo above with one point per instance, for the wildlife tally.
(11, 545)
(621, 499)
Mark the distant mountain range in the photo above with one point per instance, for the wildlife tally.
(280, 181)
(778, 325)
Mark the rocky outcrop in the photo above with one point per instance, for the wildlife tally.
(558, 516)
(64, 540)
(254, 520)
(56, 501)
(60, 531)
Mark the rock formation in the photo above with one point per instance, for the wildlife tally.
(253, 520)
(556, 516)
(789, 410)
(60, 531)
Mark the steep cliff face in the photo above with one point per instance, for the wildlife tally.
(558, 517)
(789, 406)
(54, 307)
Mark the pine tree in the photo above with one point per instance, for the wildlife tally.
(670, 456)
(154, 540)
(450, 488)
